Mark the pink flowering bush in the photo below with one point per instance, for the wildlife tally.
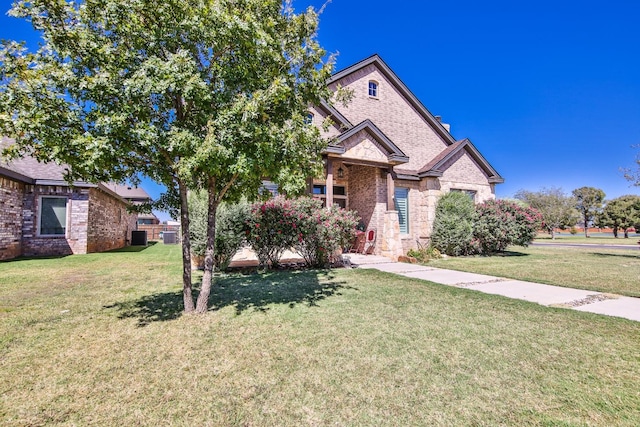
(302, 224)
(269, 229)
(501, 223)
(322, 232)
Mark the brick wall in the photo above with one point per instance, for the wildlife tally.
(391, 113)
(11, 200)
(75, 241)
(109, 224)
(368, 196)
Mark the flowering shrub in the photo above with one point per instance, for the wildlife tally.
(302, 224)
(322, 232)
(270, 229)
(502, 223)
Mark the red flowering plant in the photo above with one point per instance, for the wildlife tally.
(302, 224)
(322, 232)
(269, 229)
(502, 223)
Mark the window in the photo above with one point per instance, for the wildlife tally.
(308, 119)
(373, 89)
(402, 206)
(53, 216)
(339, 194)
(470, 193)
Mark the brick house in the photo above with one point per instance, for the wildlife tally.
(40, 214)
(390, 159)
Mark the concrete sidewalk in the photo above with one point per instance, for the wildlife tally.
(577, 299)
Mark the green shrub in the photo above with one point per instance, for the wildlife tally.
(453, 225)
(424, 254)
(230, 232)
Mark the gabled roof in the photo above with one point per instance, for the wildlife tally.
(395, 155)
(128, 192)
(338, 118)
(30, 171)
(401, 87)
(435, 166)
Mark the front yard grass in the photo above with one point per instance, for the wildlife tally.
(603, 270)
(100, 340)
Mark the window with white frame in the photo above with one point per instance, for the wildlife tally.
(53, 216)
(373, 89)
(401, 198)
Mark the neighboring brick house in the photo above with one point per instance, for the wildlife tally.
(390, 159)
(41, 214)
(137, 196)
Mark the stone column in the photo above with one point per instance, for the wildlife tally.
(390, 244)
(329, 183)
(390, 191)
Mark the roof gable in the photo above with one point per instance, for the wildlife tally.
(386, 151)
(435, 167)
(399, 85)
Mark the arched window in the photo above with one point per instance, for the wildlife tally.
(308, 119)
(373, 89)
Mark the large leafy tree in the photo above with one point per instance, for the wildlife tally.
(196, 94)
(557, 209)
(621, 213)
(589, 202)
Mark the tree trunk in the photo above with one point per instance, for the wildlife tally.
(626, 233)
(553, 233)
(205, 290)
(186, 250)
(615, 232)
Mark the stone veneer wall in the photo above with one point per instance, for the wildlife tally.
(11, 200)
(109, 223)
(75, 241)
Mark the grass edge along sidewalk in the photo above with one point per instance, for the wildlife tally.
(601, 270)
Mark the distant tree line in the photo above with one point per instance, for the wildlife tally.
(586, 205)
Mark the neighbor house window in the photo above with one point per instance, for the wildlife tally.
(53, 216)
(402, 206)
(373, 89)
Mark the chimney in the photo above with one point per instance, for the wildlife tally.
(447, 126)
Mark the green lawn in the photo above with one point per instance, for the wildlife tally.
(602, 270)
(100, 340)
(594, 239)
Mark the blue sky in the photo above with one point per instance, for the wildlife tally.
(549, 92)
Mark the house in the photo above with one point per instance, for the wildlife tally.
(136, 196)
(390, 159)
(41, 214)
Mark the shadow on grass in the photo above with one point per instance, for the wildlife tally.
(159, 307)
(259, 291)
(131, 248)
(242, 292)
(617, 255)
(506, 254)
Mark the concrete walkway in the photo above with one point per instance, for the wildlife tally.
(577, 299)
